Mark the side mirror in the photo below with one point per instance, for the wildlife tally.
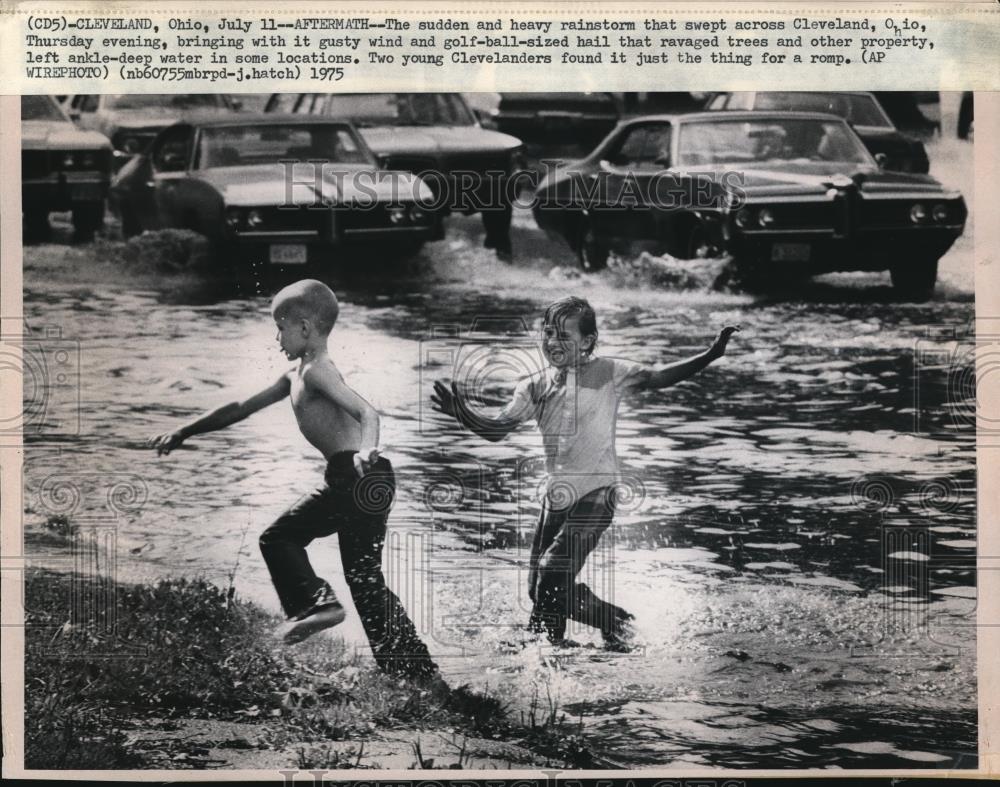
(236, 104)
(383, 160)
(74, 114)
(881, 159)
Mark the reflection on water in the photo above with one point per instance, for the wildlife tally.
(798, 544)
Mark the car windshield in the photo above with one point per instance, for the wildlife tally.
(158, 101)
(400, 109)
(40, 108)
(233, 146)
(768, 140)
(861, 110)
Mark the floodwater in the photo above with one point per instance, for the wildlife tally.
(797, 546)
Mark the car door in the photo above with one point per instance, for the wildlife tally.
(628, 172)
(157, 193)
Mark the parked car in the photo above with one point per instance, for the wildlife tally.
(434, 135)
(784, 193)
(555, 118)
(863, 111)
(62, 168)
(278, 190)
(131, 121)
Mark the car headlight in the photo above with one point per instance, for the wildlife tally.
(68, 160)
(255, 218)
(940, 212)
(743, 217)
(88, 161)
(918, 213)
(766, 217)
(417, 214)
(397, 215)
(233, 218)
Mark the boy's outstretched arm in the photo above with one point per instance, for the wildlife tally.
(325, 379)
(221, 417)
(446, 399)
(665, 376)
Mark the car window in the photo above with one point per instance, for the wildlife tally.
(283, 102)
(40, 108)
(172, 150)
(158, 101)
(646, 146)
(768, 140)
(736, 100)
(230, 146)
(397, 109)
(856, 108)
(89, 103)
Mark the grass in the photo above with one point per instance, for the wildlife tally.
(183, 648)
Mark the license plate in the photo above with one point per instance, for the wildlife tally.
(790, 252)
(288, 253)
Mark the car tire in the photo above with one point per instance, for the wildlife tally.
(915, 279)
(88, 217)
(752, 275)
(692, 242)
(36, 225)
(591, 252)
(130, 223)
(404, 251)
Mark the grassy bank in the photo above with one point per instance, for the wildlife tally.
(168, 675)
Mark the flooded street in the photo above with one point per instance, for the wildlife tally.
(797, 544)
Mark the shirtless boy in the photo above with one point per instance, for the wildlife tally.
(345, 429)
(575, 404)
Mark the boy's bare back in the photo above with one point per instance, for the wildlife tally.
(330, 415)
(323, 421)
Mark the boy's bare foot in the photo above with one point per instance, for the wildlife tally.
(325, 617)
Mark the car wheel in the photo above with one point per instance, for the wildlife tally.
(691, 242)
(404, 250)
(915, 279)
(592, 252)
(88, 217)
(36, 225)
(130, 223)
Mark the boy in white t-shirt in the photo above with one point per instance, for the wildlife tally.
(575, 404)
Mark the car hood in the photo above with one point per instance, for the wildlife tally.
(265, 184)
(437, 140)
(53, 134)
(817, 179)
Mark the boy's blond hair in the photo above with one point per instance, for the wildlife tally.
(308, 300)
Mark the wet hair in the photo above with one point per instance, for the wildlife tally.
(557, 312)
(309, 300)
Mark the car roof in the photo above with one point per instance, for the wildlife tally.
(260, 119)
(816, 92)
(739, 114)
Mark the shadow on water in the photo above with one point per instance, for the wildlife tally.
(730, 735)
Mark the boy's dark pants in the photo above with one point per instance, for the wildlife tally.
(356, 509)
(563, 540)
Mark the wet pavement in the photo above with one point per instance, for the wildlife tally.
(797, 544)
